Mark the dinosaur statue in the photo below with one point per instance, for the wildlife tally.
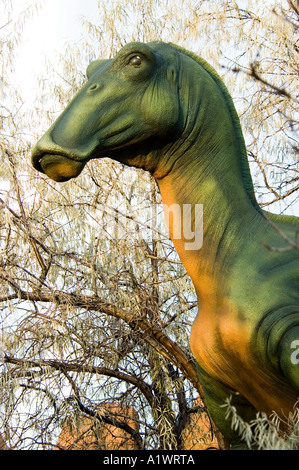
(159, 107)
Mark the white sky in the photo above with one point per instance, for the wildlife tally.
(46, 34)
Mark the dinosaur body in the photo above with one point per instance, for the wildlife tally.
(158, 107)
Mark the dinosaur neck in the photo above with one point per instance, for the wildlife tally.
(227, 213)
(206, 166)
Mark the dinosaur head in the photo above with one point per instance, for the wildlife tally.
(127, 109)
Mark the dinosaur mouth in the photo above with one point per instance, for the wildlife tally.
(58, 167)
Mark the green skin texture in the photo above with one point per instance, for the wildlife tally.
(158, 107)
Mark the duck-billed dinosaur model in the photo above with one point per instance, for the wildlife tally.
(159, 107)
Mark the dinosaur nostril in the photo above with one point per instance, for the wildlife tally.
(94, 87)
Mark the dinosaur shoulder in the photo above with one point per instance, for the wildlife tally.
(282, 219)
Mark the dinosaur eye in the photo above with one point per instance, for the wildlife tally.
(135, 61)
